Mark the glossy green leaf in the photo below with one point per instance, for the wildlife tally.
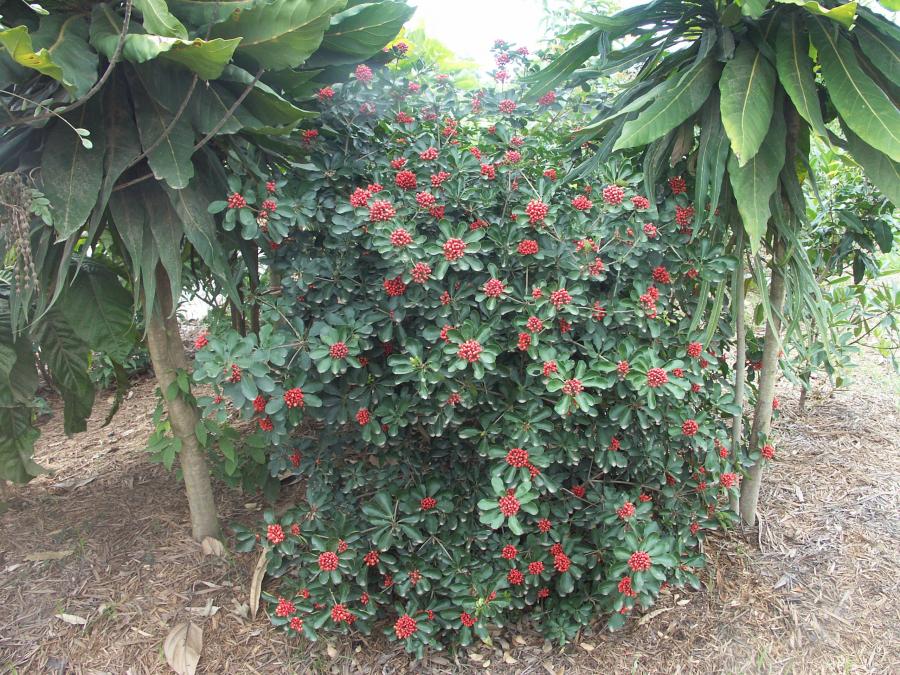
(275, 113)
(207, 58)
(671, 109)
(753, 8)
(17, 43)
(280, 34)
(842, 14)
(860, 102)
(99, 310)
(795, 70)
(755, 182)
(880, 49)
(562, 66)
(17, 438)
(170, 160)
(712, 156)
(880, 168)
(71, 173)
(158, 20)
(205, 11)
(66, 43)
(361, 32)
(18, 375)
(747, 89)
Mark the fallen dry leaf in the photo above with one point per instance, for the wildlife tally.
(331, 650)
(212, 546)
(73, 619)
(40, 556)
(508, 659)
(587, 646)
(182, 648)
(256, 583)
(650, 616)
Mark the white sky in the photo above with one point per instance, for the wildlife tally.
(469, 27)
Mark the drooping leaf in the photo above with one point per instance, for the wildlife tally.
(753, 8)
(204, 57)
(672, 108)
(206, 12)
(880, 168)
(883, 51)
(842, 14)
(275, 113)
(861, 103)
(712, 156)
(755, 182)
(562, 66)
(18, 375)
(17, 438)
(132, 220)
(795, 70)
(66, 357)
(99, 310)
(170, 160)
(72, 173)
(747, 89)
(282, 33)
(17, 43)
(360, 32)
(158, 19)
(65, 40)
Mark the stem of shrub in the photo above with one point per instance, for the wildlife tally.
(762, 416)
(740, 368)
(167, 356)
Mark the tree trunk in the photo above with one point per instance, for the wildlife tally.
(740, 368)
(167, 356)
(805, 378)
(762, 416)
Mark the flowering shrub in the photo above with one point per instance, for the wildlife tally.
(518, 409)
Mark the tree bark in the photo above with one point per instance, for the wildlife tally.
(168, 357)
(762, 416)
(740, 369)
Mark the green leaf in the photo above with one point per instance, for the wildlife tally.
(861, 103)
(204, 11)
(280, 34)
(880, 168)
(170, 160)
(18, 375)
(158, 19)
(17, 438)
(66, 44)
(71, 173)
(795, 70)
(66, 357)
(881, 50)
(747, 88)
(673, 108)
(18, 43)
(755, 182)
(753, 8)
(275, 114)
(712, 158)
(361, 32)
(843, 14)
(99, 309)
(562, 66)
(207, 58)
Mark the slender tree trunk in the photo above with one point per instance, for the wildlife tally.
(762, 416)
(167, 356)
(740, 368)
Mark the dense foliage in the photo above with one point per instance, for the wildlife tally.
(499, 387)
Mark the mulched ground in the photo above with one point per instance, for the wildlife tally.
(813, 590)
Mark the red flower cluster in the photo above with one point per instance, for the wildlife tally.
(405, 627)
(572, 387)
(640, 202)
(690, 427)
(561, 562)
(360, 198)
(598, 312)
(728, 480)
(582, 203)
(768, 451)
(694, 349)
(454, 249)
(395, 287)
(340, 614)
(420, 272)
(285, 608)
(363, 416)
(579, 491)
(293, 398)
(275, 534)
(535, 568)
(439, 178)
(400, 238)
(528, 247)
(678, 185)
(467, 619)
(656, 377)
(429, 154)
(661, 275)
(640, 561)
(625, 511)
(428, 503)
(488, 171)
(266, 424)
(524, 342)
(613, 194)
(406, 180)
(536, 210)
(338, 350)
(622, 368)
(493, 288)
(534, 324)
(515, 577)
(507, 106)
(201, 341)
(547, 99)
(650, 230)
(380, 211)
(544, 525)
(513, 157)
(328, 561)
(403, 118)
(549, 368)
(517, 457)
(371, 558)
(325, 93)
(236, 201)
(683, 216)
(509, 552)
(560, 298)
(509, 505)
(550, 173)
(425, 199)
(625, 588)
(470, 350)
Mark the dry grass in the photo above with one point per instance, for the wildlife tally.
(811, 592)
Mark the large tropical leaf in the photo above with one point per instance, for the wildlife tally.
(65, 39)
(72, 173)
(673, 107)
(282, 33)
(158, 20)
(880, 168)
(17, 438)
(712, 156)
(17, 43)
(747, 89)
(795, 70)
(562, 66)
(204, 57)
(879, 40)
(18, 375)
(360, 32)
(201, 12)
(861, 103)
(276, 113)
(170, 160)
(99, 309)
(842, 14)
(66, 357)
(755, 182)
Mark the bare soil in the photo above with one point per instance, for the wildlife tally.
(104, 537)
